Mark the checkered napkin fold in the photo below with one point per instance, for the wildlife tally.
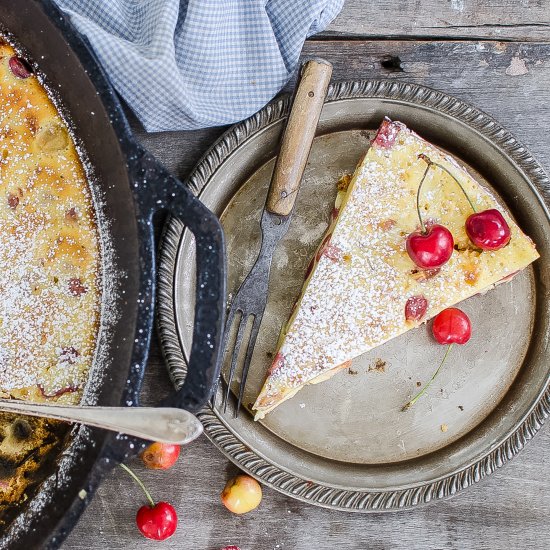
(187, 64)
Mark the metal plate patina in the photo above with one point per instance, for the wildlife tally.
(345, 443)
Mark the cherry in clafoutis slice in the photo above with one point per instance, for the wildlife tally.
(451, 326)
(488, 229)
(431, 246)
(19, 67)
(155, 521)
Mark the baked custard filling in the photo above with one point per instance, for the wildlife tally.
(362, 279)
(49, 250)
(49, 269)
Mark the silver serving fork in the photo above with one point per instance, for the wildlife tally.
(251, 298)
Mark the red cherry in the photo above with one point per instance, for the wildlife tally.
(329, 250)
(309, 268)
(324, 244)
(488, 229)
(76, 288)
(386, 135)
(69, 355)
(157, 522)
(278, 363)
(509, 277)
(19, 67)
(452, 326)
(430, 249)
(57, 393)
(160, 456)
(13, 201)
(415, 308)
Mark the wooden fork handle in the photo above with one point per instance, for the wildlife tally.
(298, 136)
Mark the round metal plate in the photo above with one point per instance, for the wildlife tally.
(345, 443)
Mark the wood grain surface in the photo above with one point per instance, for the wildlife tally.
(527, 20)
(510, 509)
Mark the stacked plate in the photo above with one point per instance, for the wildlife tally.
(346, 444)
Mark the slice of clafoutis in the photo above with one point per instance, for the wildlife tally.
(356, 294)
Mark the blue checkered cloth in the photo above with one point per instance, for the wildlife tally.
(189, 64)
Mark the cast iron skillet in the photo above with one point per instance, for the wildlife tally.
(133, 187)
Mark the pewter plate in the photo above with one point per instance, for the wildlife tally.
(345, 443)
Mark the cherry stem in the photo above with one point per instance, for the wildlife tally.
(140, 483)
(423, 390)
(430, 162)
(422, 226)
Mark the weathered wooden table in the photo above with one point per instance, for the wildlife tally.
(492, 53)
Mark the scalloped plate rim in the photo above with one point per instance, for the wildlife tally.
(421, 493)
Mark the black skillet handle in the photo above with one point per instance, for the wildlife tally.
(162, 191)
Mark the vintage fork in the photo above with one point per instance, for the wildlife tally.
(251, 298)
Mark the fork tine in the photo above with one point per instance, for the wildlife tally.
(247, 359)
(228, 325)
(234, 357)
(212, 401)
(227, 331)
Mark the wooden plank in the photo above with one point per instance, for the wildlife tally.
(510, 509)
(525, 20)
(507, 80)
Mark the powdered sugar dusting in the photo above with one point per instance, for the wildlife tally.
(49, 248)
